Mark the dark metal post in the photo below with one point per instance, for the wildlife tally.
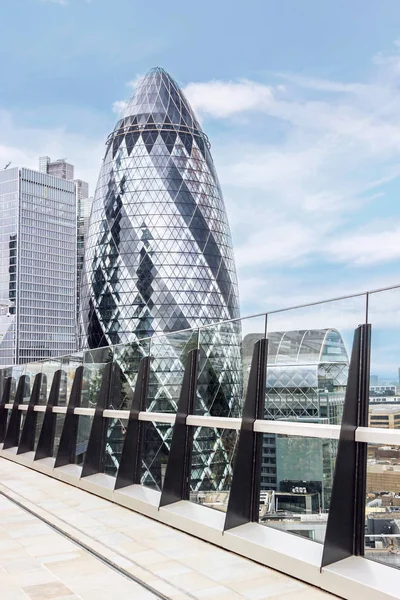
(177, 475)
(344, 531)
(5, 398)
(94, 458)
(362, 448)
(12, 434)
(67, 447)
(131, 458)
(27, 440)
(45, 444)
(244, 497)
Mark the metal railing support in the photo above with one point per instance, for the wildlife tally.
(67, 447)
(45, 443)
(344, 531)
(95, 453)
(27, 439)
(13, 429)
(131, 458)
(244, 497)
(5, 398)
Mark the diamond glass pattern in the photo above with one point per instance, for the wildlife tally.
(158, 256)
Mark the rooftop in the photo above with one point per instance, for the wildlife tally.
(61, 542)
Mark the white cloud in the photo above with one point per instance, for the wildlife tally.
(291, 201)
(23, 145)
(369, 247)
(119, 107)
(226, 98)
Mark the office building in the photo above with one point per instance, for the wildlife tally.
(159, 259)
(384, 416)
(37, 266)
(60, 168)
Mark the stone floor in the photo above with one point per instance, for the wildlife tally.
(53, 551)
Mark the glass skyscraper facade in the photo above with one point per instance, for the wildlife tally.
(159, 259)
(37, 266)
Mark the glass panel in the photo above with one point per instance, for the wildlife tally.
(168, 360)
(307, 368)
(297, 476)
(226, 351)
(49, 368)
(31, 370)
(382, 524)
(69, 364)
(308, 358)
(94, 362)
(126, 367)
(115, 437)
(17, 371)
(156, 445)
(213, 454)
(127, 357)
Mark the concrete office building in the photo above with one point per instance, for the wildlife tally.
(61, 168)
(37, 265)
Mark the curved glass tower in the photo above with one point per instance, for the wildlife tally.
(158, 255)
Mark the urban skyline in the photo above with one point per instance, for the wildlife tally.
(200, 299)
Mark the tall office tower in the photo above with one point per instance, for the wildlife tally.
(60, 168)
(37, 265)
(159, 259)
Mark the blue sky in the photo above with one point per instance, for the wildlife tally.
(299, 99)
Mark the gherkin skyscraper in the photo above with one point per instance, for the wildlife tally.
(159, 260)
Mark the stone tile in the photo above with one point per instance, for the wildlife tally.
(191, 582)
(35, 576)
(218, 592)
(47, 591)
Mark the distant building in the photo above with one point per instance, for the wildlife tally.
(60, 168)
(373, 380)
(384, 416)
(37, 266)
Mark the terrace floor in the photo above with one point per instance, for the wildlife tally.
(60, 542)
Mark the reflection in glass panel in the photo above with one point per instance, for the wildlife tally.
(156, 444)
(300, 471)
(307, 368)
(17, 372)
(115, 437)
(213, 455)
(127, 359)
(382, 518)
(49, 368)
(69, 364)
(125, 370)
(226, 351)
(94, 362)
(168, 361)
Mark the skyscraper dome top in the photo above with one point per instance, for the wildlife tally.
(157, 101)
